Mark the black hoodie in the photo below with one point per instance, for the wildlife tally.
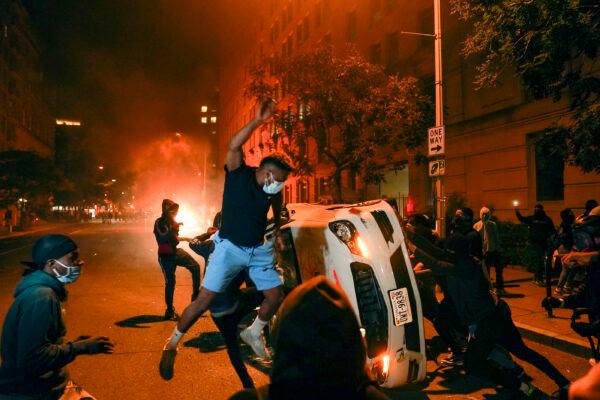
(33, 353)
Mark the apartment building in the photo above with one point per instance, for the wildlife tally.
(25, 121)
(491, 158)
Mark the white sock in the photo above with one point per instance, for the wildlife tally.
(257, 326)
(174, 339)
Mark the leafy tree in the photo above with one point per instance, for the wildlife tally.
(352, 112)
(25, 174)
(551, 44)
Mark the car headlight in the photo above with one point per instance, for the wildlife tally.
(346, 232)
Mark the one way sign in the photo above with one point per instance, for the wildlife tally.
(436, 143)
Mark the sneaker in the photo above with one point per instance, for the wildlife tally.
(171, 315)
(453, 360)
(167, 362)
(256, 343)
(558, 291)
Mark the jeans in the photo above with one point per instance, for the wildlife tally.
(169, 264)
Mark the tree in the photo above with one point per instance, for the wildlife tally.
(25, 174)
(350, 111)
(551, 44)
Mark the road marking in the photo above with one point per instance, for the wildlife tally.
(15, 249)
(29, 245)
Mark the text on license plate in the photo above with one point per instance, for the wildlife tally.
(400, 306)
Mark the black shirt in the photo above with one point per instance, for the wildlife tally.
(245, 207)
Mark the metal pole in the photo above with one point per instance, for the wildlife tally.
(440, 197)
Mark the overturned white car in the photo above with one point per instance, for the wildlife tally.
(361, 248)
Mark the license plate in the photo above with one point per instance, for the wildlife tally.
(400, 306)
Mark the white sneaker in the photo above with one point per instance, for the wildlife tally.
(256, 343)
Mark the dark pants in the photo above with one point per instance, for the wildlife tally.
(477, 361)
(169, 264)
(447, 325)
(511, 340)
(228, 326)
(539, 252)
(494, 259)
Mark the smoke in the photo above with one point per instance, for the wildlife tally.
(178, 167)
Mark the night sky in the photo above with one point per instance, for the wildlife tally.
(133, 69)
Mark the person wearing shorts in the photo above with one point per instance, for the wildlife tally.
(249, 194)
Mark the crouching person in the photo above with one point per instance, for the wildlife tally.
(34, 354)
(319, 351)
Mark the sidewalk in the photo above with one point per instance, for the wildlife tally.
(40, 226)
(525, 300)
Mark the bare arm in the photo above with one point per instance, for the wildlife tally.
(234, 156)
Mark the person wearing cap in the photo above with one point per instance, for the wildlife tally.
(33, 352)
(166, 232)
(319, 350)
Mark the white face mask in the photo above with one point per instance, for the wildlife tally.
(71, 276)
(274, 187)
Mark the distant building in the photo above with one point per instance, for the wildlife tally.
(491, 158)
(25, 121)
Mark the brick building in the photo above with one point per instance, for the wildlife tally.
(490, 156)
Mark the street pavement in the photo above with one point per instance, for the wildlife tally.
(120, 295)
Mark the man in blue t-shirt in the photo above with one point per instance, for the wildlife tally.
(248, 195)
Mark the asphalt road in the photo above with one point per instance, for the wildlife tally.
(120, 295)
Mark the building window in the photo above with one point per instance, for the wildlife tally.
(549, 176)
(213, 120)
(375, 51)
(204, 109)
(204, 120)
(352, 28)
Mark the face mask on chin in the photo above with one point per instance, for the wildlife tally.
(274, 187)
(73, 273)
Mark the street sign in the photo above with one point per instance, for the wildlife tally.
(437, 167)
(436, 143)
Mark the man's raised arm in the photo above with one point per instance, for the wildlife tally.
(235, 156)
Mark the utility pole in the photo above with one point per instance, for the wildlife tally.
(436, 135)
(440, 197)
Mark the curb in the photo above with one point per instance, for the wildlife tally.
(576, 347)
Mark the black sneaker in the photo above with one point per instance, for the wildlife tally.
(171, 315)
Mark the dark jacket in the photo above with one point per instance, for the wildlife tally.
(166, 230)
(466, 285)
(541, 227)
(33, 353)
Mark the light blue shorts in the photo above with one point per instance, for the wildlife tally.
(228, 260)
